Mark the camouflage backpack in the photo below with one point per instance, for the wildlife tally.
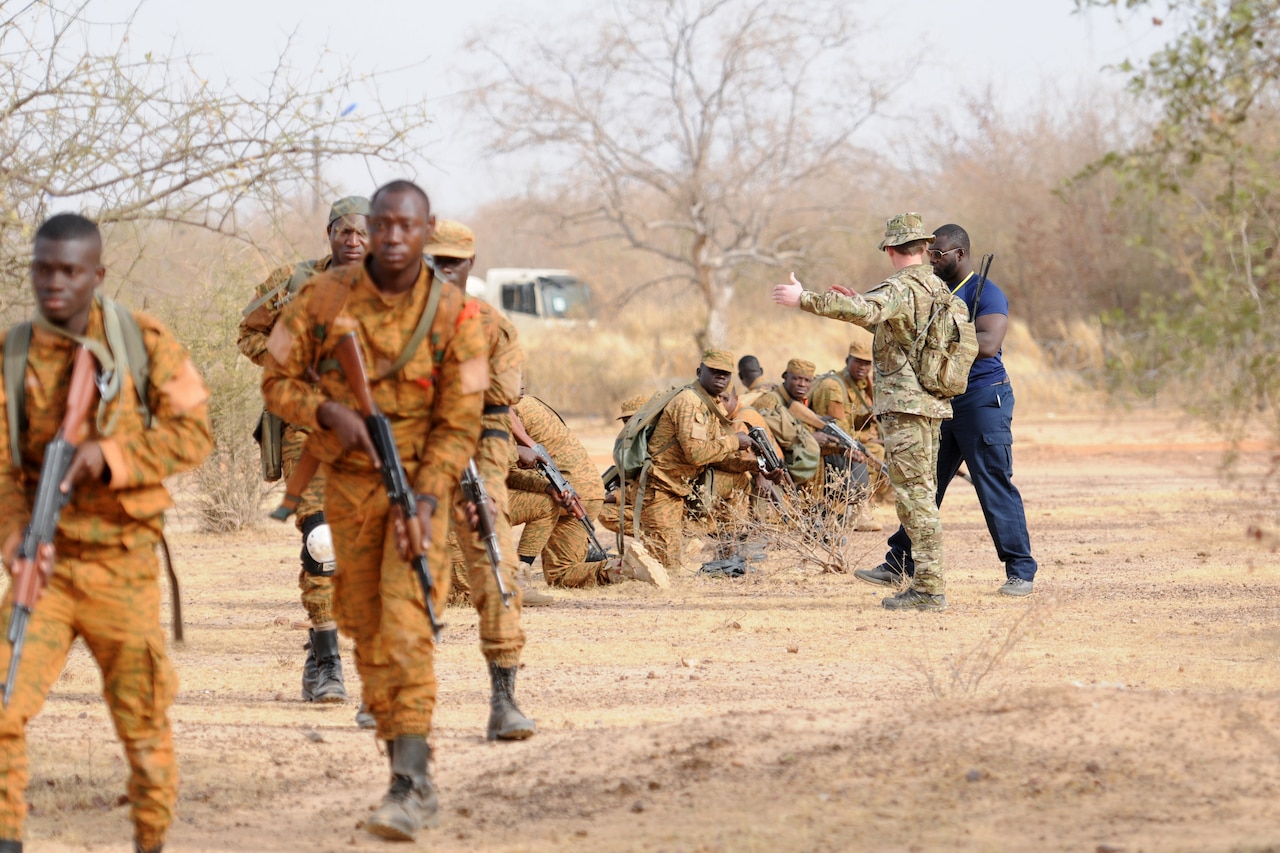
(945, 349)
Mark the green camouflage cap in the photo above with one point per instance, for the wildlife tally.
(904, 228)
(347, 206)
(718, 359)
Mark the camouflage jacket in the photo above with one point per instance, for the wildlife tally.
(256, 325)
(545, 427)
(743, 419)
(434, 402)
(691, 433)
(126, 512)
(837, 395)
(894, 310)
(774, 407)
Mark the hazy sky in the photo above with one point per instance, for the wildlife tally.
(1016, 47)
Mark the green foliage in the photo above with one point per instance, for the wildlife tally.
(1208, 171)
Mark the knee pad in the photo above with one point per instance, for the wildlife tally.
(317, 547)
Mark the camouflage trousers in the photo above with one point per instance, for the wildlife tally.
(378, 602)
(662, 526)
(911, 448)
(111, 598)
(609, 512)
(501, 638)
(317, 590)
(561, 539)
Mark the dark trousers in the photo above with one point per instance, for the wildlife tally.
(979, 434)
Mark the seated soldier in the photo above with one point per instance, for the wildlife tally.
(609, 511)
(845, 396)
(802, 449)
(559, 537)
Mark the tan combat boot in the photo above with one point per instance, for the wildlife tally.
(410, 804)
(531, 596)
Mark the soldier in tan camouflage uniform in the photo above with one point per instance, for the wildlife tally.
(452, 252)
(802, 449)
(563, 543)
(753, 382)
(846, 397)
(910, 417)
(433, 403)
(103, 584)
(609, 510)
(691, 433)
(348, 235)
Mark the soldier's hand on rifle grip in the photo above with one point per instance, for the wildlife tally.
(349, 427)
(473, 515)
(745, 442)
(823, 439)
(776, 475)
(561, 498)
(46, 556)
(425, 513)
(526, 458)
(87, 464)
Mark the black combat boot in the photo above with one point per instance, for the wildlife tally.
(310, 671)
(328, 686)
(10, 845)
(411, 802)
(505, 720)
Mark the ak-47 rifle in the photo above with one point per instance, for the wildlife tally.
(565, 492)
(848, 443)
(768, 461)
(394, 479)
(28, 580)
(474, 493)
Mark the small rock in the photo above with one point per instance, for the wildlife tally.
(638, 806)
(654, 785)
(314, 736)
(974, 776)
(652, 674)
(688, 663)
(1109, 848)
(793, 650)
(1093, 767)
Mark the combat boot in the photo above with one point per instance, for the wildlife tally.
(328, 686)
(137, 848)
(914, 599)
(881, 575)
(310, 672)
(410, 804)
(506, 722)
(364, 719)
(10, 845)
(529, 595)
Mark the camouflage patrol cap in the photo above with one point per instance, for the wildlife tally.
(718, 359)
(861, 347)
(451, 240)
(347, 206)
(631, 405)
(800, 367)
(904, 228)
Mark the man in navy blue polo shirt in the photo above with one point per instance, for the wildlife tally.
(979, 432)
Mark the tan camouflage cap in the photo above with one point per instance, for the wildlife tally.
(802, 368)
(718, 359)
(861, 347)
(347, 206)
(451, 240)
(631, 405)
(904, 228)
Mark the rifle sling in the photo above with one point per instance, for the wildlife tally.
(175, 591)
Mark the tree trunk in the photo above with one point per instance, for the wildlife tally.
(718, 293)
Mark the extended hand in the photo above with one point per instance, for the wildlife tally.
(788, 295)
(349, 427)
(87, 464)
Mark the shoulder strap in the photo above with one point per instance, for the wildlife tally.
(16, 346)
(549, 408)
(302, 271)
(124, 337)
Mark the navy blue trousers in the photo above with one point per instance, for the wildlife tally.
(979, 434)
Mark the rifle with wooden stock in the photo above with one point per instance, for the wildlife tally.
(565, 492)
(28, 580)
(474, 493)
(394, 479)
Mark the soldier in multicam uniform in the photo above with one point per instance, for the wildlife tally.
(434, 403)
(846, 397)
(802, 449)
(453, 252)
(568, 559)
(910, 417)
(104, 582)
(691, 433)
(348, 235)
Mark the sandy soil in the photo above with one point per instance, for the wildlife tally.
(1129, 705)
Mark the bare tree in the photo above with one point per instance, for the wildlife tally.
(152, 139)
(690, 130)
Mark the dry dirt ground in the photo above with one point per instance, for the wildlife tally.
(1129, 705)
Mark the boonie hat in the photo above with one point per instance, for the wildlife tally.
(451, 240)
(347, 206)
(904, 228)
